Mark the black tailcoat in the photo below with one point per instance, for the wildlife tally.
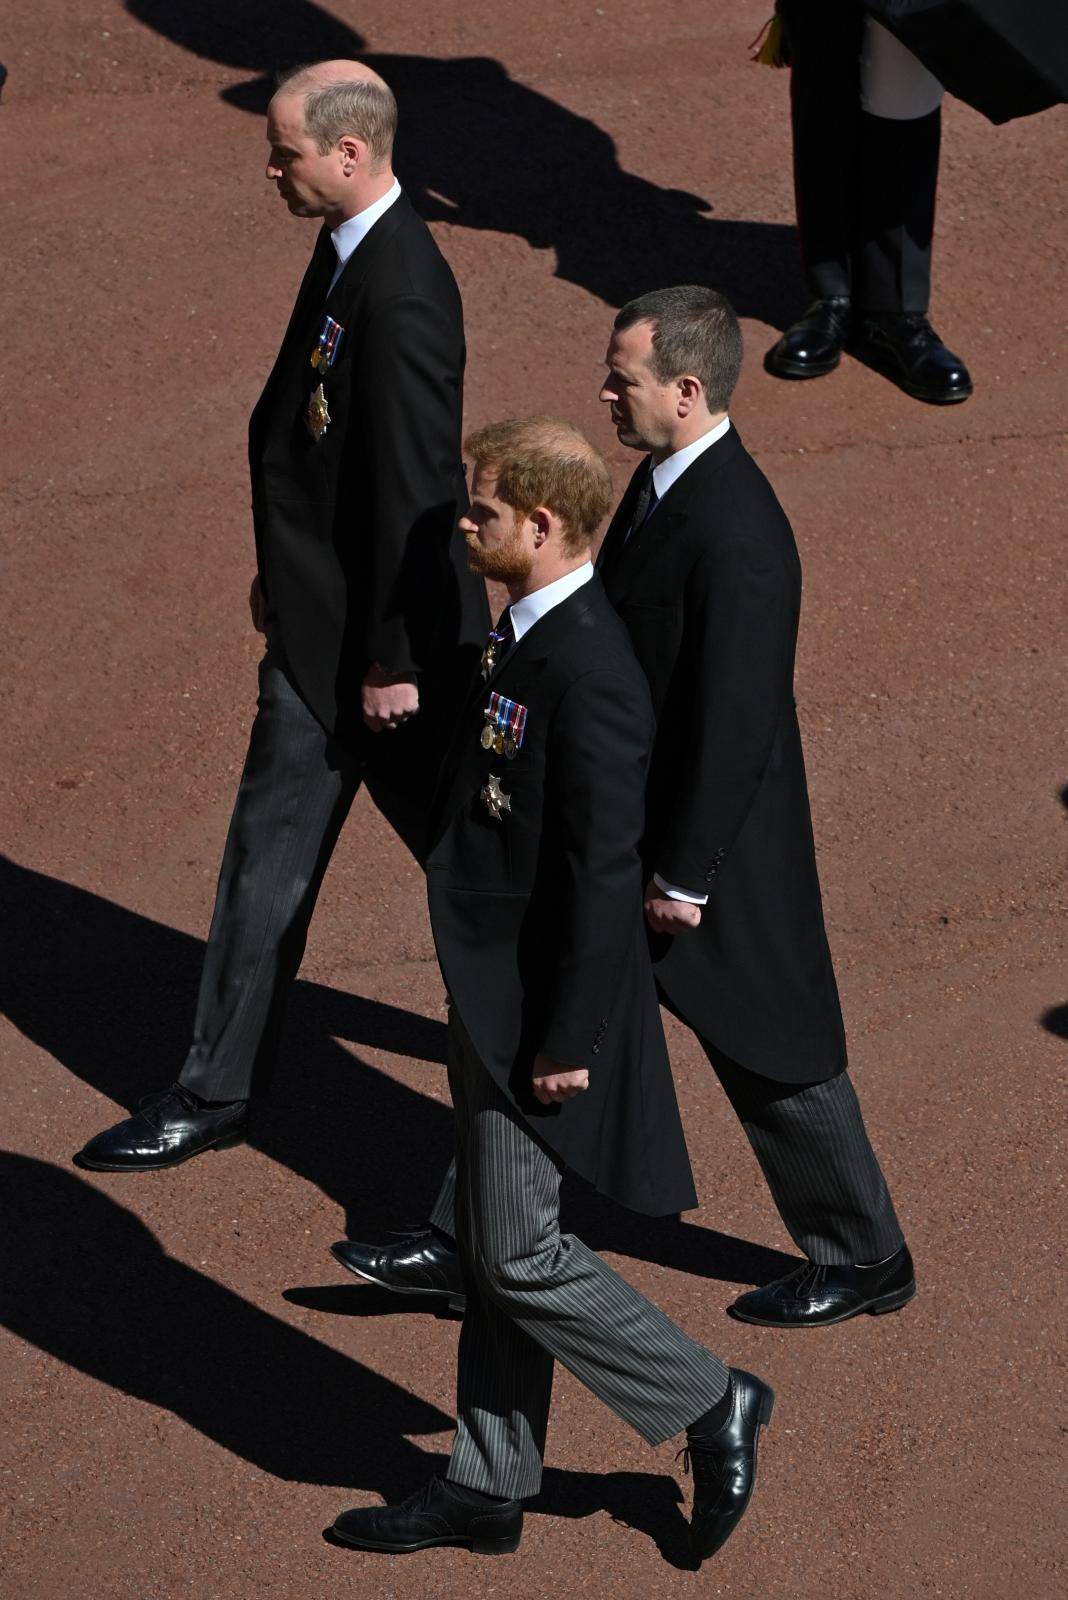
(356, 537)
(537, 917)
(710, 591)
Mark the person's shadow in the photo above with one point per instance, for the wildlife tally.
(480, 150)
(111, 994)
(86, 1281)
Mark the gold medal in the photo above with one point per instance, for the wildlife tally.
(318, 417)
(487, 736)
(498, 742)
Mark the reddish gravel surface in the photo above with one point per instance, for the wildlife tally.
(191, 1391)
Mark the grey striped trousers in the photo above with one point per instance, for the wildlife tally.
(535, 1296)
(815, 1153)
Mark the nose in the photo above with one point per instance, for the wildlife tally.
(607, 394)
(273, 172)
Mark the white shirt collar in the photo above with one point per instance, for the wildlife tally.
(355, 229)
(669, 471)
(526, 612)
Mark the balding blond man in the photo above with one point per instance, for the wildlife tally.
(373, 622)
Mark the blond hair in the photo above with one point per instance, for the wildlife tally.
(366, 108)
(541, 461)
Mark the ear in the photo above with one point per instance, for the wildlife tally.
(543, 524)
(353, 151)
(690, 393)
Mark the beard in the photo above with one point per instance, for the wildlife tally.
(505, 563)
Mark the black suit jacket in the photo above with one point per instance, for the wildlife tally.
(537, 917)
(356, 537)
(710, 591)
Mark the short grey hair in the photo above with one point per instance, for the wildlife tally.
(362, 108)
(695, 334)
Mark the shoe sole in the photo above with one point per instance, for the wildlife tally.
(81, 1160)
(457, 1302)
(767, 1406)
(895, 1301)
(798, 371)
(478, 1547)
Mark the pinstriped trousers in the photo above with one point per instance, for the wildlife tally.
(815, 1153)
(535, 1296)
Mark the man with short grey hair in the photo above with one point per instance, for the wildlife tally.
(373, 622)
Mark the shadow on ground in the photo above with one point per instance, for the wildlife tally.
(480, 150)
(87, 1282)
(110, 994)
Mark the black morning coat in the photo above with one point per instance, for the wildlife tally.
(356, 538)
(710, 591)
(537, 915)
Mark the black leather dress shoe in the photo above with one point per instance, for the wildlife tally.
(814, 1296)
(422, 1263)
(166, 1129)
(814, 344)
(724, 1465)
(907, 349)
(434, 1516)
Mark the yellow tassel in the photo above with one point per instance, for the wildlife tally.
(768, 44)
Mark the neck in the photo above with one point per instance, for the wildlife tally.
(541, 580)
(687, 433)
(372, 189)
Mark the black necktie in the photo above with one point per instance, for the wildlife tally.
(612, 548)
(644, 505)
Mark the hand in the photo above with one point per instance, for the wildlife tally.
(554, 1083)
(257, 605)
(388, 699)
(665, 915)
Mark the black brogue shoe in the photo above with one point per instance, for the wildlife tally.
(434, 1516)
(814, 1296)
(814, 344)
(165, 1130)
(724, 1465)
(422, 1263)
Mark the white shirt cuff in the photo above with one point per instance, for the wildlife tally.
(673, 892)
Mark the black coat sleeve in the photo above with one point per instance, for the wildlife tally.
(740, 617)
(411, 377)
(597, 757)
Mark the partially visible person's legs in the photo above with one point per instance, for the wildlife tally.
(827, 1183)
(536, 1296)
(295, 792)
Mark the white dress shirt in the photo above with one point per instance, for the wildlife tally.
(526, 612)
(355, 229)
(664, 475)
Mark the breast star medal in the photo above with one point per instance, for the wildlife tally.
(318, 418)
(494, 798)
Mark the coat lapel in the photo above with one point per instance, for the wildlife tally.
(522, 665)
(362, 260)
(624, 574)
